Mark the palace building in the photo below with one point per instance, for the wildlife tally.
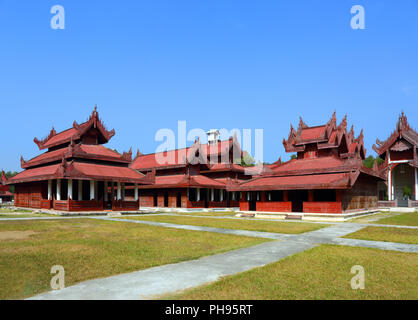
(400, 166)
(194, 177)
(77, 173)
(327, 176)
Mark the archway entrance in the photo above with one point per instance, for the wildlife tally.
(403, 183)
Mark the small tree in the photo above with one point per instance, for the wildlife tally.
(407, 192)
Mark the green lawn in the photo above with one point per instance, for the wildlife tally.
(322, 273)
(240, 224)
(89, 248)
(401, 235)
(406, 219)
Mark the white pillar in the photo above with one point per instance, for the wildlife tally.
(416, 184)
(212, 194)
(198, 194)
(92, 192)
(106, 198)
(70, 189)
(119, 195)
(80, 190)
(136, 192)
(390, 184)
(393, 185)
(49, 189)
(221, 195)
(58, 189)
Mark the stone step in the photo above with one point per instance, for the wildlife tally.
(293, 217)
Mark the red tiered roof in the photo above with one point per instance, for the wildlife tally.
(326, 136)
(403, 138)
(180, 157)
(337, 170)
(77, 160)
(76, 132)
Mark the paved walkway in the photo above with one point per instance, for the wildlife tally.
(153, 282)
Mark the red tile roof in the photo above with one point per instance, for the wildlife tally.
(80, 170)
(313, 133)
(75, 133)
(315, 181)
(78, 151)
(183, 181)
(179, 157)
(105, 172)
(297, 165)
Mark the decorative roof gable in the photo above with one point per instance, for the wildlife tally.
(76, 132)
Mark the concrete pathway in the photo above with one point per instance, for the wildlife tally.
(149, 283)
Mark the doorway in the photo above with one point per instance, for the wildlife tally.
(298, 197)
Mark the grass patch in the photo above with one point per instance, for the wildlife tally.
(406, 219)
(400, 235)
(322, 273)
(244, 224)
(89, 248)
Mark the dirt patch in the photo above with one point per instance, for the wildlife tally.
(16, 235)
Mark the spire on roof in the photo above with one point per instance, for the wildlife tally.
(302, 125)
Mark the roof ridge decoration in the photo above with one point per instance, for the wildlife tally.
(402, 130)
(127, 155)
(3, 178)
(93, 121)
(41, 142)
(325, 136)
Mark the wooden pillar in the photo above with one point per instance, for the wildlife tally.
(58, 189)
(338, 195)
(310, 196)
(136, 193)
(70, 189)
(106, 197)
(123, 191)
(113, 190)
(80, 190)
(416, 184)
(92, 192)
(263, 196)
(49, 189)
(285, 196)
(119, 193)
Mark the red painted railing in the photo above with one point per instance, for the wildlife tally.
(322, 207)
(125, 205)
(274, 206)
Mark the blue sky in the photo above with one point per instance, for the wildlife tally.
(214, 63)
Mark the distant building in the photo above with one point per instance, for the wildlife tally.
(326, 177)
(195, 177)
(5, 194)
(400, 168)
